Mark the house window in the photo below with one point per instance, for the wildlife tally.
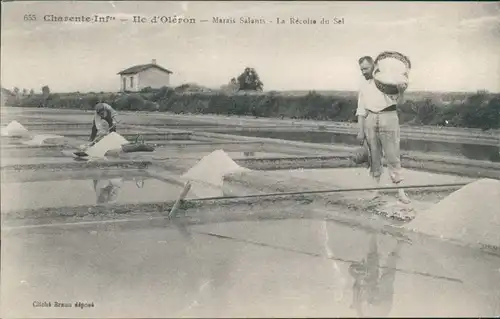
(124, 85)
(131, 81)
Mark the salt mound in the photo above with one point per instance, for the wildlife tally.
(40, 139)
(470, 214)
(110, 142)
(15, 129)
(212, 168)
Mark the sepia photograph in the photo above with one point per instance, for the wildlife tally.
(236, 159)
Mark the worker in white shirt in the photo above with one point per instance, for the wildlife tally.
(379, 126)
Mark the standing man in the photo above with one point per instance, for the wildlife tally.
(104, 121)
(379, 127)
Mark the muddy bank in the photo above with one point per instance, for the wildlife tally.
(338, 179)
(78, 165)
(189, 209)
(206, 209)
(461, 167)
(48, 124)
(201, 211)
(339, 161)
(80, 174)
(131, 135)
(180, 164)
(171, 147)
(284, 163)
(473, 169)
(276, 182)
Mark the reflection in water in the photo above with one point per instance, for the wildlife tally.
(337, 278)
(373, 288)
(107, 190)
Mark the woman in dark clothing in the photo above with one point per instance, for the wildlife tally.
(104, 121)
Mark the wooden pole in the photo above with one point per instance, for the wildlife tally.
(185, 191)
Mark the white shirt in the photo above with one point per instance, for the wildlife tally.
(371, 99)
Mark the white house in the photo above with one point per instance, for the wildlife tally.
(142, 76)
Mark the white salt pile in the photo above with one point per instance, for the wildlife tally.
(470, 214)
(15, 129)
(41, 138)
(212, 168)
(111, 141)
(391, 71)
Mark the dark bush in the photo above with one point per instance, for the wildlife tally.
(132, 102)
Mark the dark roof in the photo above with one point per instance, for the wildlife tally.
(142, 67)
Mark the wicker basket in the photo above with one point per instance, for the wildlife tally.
(391, 73)
(138, 146)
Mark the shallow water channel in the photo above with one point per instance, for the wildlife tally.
(471, 151)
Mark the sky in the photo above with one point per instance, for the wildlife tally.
(453, 46)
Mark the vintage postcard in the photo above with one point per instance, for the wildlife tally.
(167, 159)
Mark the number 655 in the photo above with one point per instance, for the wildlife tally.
(29, 17)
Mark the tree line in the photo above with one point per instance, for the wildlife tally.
(478, 110)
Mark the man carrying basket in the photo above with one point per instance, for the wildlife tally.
(379, 96)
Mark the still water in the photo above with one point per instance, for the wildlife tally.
(71, 192)
(471, 151)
